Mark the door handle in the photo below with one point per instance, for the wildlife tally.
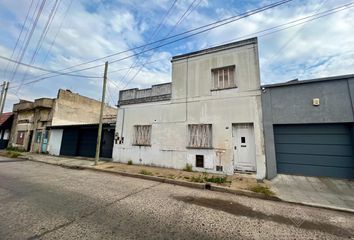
(235, 147)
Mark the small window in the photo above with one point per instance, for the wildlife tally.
(199, 161)
(200, 136)
(224, 77)
(142, 135)
(20, 137)
(243, 140)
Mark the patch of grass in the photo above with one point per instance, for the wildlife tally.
(171, 176)
(262, 189)
(14, 149)
(217, 180)
(145, 172)
(130, 162)
(198, 179)
(188, 168)
(13, 154)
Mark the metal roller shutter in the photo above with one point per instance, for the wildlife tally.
(315, 150)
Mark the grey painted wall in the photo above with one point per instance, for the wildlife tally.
(292, 104)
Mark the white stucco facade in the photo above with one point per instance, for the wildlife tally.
(195, 101)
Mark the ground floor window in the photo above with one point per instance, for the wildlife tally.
(20, 137)
(200, 135)
(142, 135)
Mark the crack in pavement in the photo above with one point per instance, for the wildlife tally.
(37, 236)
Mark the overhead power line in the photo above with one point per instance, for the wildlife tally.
(150, 38)
(223, 22)
(19, 37)
(42, 38)
(265, 32)
(58, 31)
(44, 69)
(184, 15)
(23, 45)
(29, 37)
(293, 23)
(292, 38)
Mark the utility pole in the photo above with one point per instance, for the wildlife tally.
(2, 94)
(98, 145)
(3, 100)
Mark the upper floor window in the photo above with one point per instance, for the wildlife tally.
(142, 135)
(224, 77)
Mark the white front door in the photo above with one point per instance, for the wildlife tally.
(244, 147)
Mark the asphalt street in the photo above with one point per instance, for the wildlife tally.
(41, 201)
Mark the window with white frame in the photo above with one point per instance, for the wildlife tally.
(200, 135)
(142, 135)
(224, 77)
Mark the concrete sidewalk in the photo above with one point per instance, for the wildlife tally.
(61, 161)
(315, 191)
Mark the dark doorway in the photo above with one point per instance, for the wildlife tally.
(87, 142)
(107, 142)
(69, 142)
(29, 141)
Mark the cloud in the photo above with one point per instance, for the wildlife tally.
(93, 29)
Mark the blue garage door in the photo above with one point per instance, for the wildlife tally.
(315, 150)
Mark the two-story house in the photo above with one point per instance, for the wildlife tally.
(68, 122)
(209, 116)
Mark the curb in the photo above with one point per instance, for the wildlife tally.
(207, 186)
(152, 178)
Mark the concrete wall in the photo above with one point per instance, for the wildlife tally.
(194, 102)
(23, 121)
(31, 117)
(72, 109)
(292, 104)
(54, 144)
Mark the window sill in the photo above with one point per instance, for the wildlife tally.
(220, 89)
(142, 145)
(208, 148)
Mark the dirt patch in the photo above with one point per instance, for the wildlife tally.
(237, 181)
(242, 210)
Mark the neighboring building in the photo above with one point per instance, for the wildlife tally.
(33, 120)
(80, 140)
(308, 127)
(5, 128)
(29, 125)
(210, 116)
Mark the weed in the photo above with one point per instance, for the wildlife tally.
(171, 176)
(13, 154)
(262, 189)
(186, 177)
(217, 180)
(188, 168)
(145, 172)
(14, 149)
(130, 162)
